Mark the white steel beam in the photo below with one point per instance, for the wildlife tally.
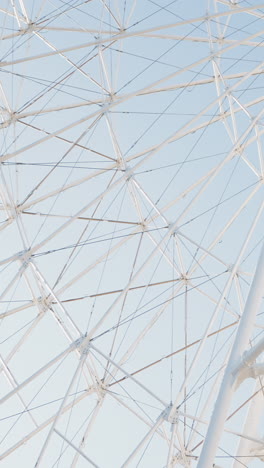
(227, 388)
(233, 272)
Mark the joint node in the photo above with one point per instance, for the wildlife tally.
(144, 225)
(13, 116)
(120, 165)
(129, 173)
(171, 416)
(230, 267)
(184, 458)
(173, 229)
(25, 257)
(29, 27)
(184, 279)
(83, 345)
(239, 150)
(44, 303)
(101, 390)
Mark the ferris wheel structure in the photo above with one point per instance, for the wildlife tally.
(131, 223)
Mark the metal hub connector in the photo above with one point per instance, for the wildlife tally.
(183, 459)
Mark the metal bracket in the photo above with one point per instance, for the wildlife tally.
(252, 371)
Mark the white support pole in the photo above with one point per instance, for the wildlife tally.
(251, 427)
(227, 388)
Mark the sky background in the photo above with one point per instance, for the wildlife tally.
(131, 220)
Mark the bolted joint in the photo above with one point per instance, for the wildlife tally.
(83, 345)
(29, 28)
(239, 150)
(44, 303)
(171, 416)
(25, 257)
(101, 390)
(165, 414)
(11, 118)
(144, 226)
(184, 278)
(184, 459)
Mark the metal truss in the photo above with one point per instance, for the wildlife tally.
(131, 223)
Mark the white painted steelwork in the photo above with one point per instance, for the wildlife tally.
(131, 224)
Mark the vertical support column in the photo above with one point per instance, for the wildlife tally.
(251, 427)
(226, 391)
